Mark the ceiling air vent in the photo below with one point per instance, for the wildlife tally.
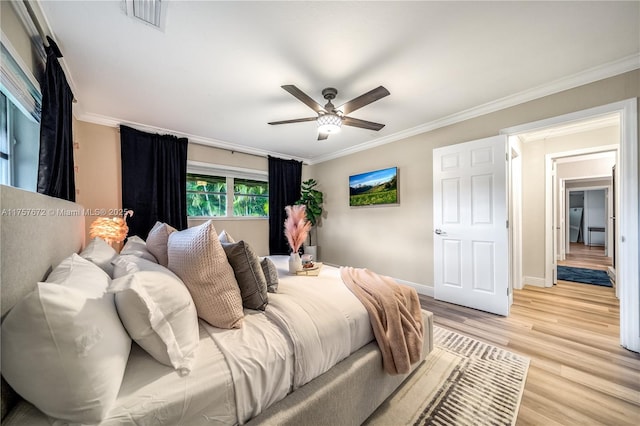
(148, 11)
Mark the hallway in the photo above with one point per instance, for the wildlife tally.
(583, 256)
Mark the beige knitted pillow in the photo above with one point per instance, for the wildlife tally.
(157, 241)
(197, 257)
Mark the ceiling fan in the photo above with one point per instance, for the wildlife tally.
(329, 117)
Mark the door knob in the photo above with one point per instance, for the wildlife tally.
(440, 232)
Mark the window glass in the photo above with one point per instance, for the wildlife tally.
(226, 196)
(4, 142)
(19, 146)
(206, 195)
(250, 198)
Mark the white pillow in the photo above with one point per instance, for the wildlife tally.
(197, 257)
(64, 348)
(129, 264)
(157, 311)
(137, 247)
(80, 274)
(101, 254)
(157, 242)
(224, 237)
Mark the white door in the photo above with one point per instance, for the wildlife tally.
(554, 209)
(471, 256)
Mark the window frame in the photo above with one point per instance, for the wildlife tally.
(230, 173)
(22, 96)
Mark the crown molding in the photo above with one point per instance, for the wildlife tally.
(200, 140)
(611, 69)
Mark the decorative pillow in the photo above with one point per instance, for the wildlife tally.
(157, 311)
(197, 257)
(248, 272)
(224, 237)
(64, 349)
(157, 242)
(137, 247)
(270, 273)
(101, 254)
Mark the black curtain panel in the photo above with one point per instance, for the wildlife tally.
(154, 180)
(55, 167)
(285, 178)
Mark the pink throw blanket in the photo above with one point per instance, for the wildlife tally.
(394, 312)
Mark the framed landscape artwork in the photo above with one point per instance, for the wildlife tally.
(374, 188)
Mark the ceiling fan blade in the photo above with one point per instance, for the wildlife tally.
(322, 136)
(363, 100)
(295, 120)
(356, 122)
(304, 98)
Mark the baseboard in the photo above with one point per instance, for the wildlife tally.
(425, 290)
(534, 281)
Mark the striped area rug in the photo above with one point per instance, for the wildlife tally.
(462, 382)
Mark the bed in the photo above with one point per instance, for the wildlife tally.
(232, 380)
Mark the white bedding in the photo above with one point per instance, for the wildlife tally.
(241, 372)
(152, 393)
(310, 325)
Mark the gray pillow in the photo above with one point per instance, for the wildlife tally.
(248, 272)
(271, 274)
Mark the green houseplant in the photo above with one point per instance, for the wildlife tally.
(312, 199)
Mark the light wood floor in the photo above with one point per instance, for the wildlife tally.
(579, 374)
(581, 256)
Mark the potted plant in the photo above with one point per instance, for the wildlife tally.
(312, 199)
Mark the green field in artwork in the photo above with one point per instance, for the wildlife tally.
(367, 199)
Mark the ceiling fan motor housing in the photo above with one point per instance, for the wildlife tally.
(329, 93)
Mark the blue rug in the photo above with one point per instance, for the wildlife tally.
(582, 275)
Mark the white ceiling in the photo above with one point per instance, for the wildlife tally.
(214, 72)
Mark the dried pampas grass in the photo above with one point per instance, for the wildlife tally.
(296, 226)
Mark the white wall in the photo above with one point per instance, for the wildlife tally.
(595, 210)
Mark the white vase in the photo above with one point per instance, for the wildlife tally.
(295, 263)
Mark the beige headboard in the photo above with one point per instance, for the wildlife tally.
(36, 233)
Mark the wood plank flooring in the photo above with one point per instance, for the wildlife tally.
(579, 373)
(581, 256)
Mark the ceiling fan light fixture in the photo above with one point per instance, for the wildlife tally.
(329, 123)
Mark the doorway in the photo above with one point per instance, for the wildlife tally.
(585, 207)
(626, 223)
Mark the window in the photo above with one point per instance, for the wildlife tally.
(250, 198)
(206, 195)
(221, 192)
(20, 102)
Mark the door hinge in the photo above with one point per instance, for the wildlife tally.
(506, 156)
(508, 291)
(507, 223)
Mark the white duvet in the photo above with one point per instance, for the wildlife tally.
(310, 325)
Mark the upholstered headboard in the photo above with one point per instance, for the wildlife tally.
(36, 233)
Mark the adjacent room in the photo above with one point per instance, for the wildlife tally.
(319, 213)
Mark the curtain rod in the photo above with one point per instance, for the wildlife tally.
(36, 22)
